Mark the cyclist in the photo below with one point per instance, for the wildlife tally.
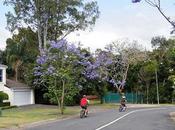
(84, 103)
(123, 101)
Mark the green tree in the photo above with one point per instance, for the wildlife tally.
(133, 82)
(147, 71)
(163, 53)
(21, 50)
(2, 57)
(14, 57)
(54, 19)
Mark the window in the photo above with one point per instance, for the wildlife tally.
(0, 75)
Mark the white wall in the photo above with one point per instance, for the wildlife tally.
(22, 96)
(3, 67)
(32, 97)
(22, 92)
(4, 76)
(1, 86)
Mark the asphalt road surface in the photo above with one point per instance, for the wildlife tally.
(132, 119)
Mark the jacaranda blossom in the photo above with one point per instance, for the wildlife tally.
(135, 1)
(42, 59)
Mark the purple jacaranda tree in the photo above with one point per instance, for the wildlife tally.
(157, 4)
(95, 69)
(105, 68)
(55, 70)
(135, 1)
(111, 65)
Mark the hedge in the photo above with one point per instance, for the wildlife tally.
(3, 96)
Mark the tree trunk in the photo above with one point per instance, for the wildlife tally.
(39, 36)
(45, 34)
(136, 96)
(126, 73)
(118, 89)
(147, 91)
(16, 74)
(59, 105)
(57, 98)
(38, 14)
(62, 98)
(157, 86)
(101, 99)
(17, 65)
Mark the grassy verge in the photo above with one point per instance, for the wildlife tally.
(97, 103)
(18, 116)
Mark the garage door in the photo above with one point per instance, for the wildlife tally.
(22, 98)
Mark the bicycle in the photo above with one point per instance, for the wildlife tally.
(83, 113)
(122, 108)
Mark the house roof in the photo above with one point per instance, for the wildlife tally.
(16, 85)
(4, 66)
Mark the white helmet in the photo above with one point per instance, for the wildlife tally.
(123, 97)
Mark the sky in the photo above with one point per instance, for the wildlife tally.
(119, 19)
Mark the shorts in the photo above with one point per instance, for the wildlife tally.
(84, 107)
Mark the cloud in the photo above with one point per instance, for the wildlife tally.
(139, 23)
(118, 20)
(93, 40)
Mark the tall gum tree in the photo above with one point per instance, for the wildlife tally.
(52, 20)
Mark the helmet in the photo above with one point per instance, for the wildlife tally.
(123, 97)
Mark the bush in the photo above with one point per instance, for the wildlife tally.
(3, 96)
(5, 104)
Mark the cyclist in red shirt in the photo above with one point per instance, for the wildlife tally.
(84, 103)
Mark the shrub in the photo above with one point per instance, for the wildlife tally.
(5, 104)
(3, 96)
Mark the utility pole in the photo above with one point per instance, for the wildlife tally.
(157, 86)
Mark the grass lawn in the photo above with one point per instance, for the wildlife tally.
(103, 106)
(19, 116)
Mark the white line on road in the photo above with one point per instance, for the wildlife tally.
(126, 115)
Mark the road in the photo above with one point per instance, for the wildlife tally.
(132, 119)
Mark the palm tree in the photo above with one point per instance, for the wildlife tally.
(15, 57)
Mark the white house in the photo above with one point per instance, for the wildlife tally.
(19, 93)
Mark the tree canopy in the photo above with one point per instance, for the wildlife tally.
(52, 20)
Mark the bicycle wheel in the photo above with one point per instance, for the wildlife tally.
(82, 113)
(120, 109)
